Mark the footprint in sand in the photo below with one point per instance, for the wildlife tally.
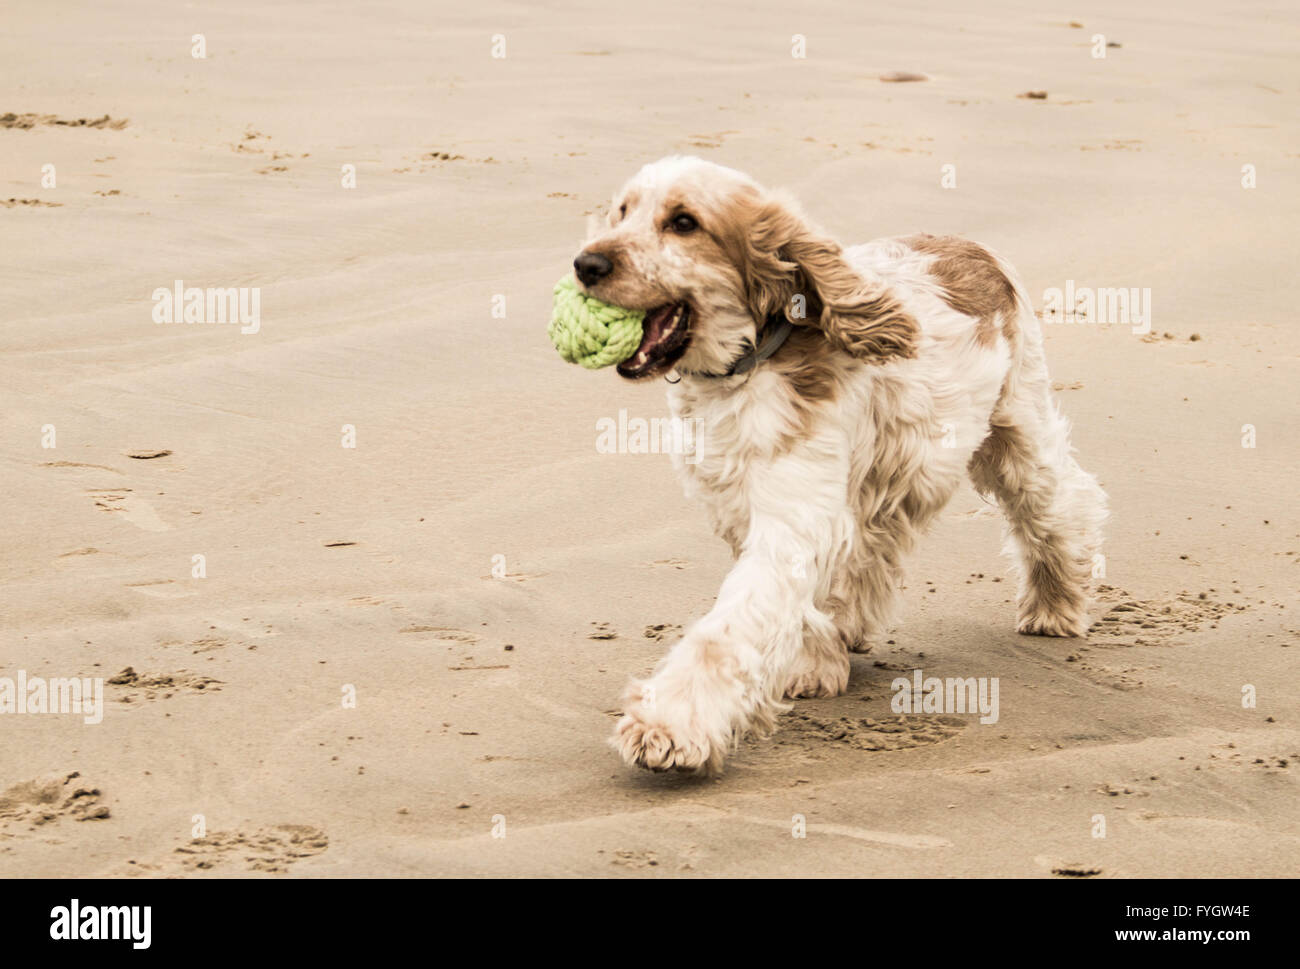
(443, 634)
(636, 860)
(1121, 789)
(1227, 756)
(272, 850)
(866, 733)
(51, 798)
(32, 120)
(162, 589)
(1126, 621)
(663, 630)
(1068, 869)
(134, 687)
(1118, 677)
(707, 140)
(116, 500)
(207, 644)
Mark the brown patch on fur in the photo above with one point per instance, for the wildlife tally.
(806, 361)
(779, 256)
(807, 366)
(973, 284)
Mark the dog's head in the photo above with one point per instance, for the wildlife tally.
(711, 256)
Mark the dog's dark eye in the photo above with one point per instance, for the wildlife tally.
(622, 211)
(682, 224)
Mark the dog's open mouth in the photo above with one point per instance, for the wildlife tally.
(665, 335)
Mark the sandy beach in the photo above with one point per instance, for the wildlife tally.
(363, 590)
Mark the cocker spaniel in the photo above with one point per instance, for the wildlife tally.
(841, 394)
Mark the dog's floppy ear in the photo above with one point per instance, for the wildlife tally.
(784, 258)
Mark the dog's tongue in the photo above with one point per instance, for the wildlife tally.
(654, 323)
(659, 339)
(652, 332)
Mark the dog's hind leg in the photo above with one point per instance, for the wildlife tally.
(1054, 509)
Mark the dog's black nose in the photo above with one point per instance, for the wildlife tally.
(592, 267)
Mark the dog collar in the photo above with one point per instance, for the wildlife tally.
(774, 336)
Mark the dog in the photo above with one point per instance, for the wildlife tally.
(842, 393)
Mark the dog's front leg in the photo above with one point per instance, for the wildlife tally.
(727, 674)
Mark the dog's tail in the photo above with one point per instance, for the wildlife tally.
(1023, 332)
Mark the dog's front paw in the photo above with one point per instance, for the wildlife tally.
(660, 747)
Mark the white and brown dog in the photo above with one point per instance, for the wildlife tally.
(842, 394)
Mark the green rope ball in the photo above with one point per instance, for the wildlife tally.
(590, 332)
